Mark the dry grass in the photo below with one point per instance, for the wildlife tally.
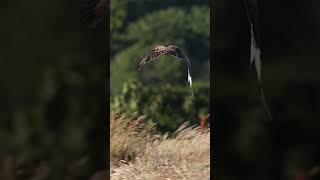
(184, 155)
(128, 137)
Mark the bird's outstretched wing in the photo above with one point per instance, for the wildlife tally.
(253, 16)
(153, 54)
(171, 50)
(177, 52)
(255, 51)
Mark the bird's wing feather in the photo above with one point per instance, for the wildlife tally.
(255, 52)
(162, 50)
(252, 13)
(155, 53)
(186, 60)
(253, 17)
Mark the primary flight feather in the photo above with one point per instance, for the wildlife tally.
(168, 50)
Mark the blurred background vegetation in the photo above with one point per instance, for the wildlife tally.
(53, 99)
(248, 146)
(53, 91)
(161, 90)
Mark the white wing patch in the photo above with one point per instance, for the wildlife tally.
(190, 79)
(188, 63)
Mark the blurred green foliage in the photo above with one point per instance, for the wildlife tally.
(160, 91)
(52, 95)
(169, 106)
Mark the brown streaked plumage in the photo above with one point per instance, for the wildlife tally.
(168, 50)
(255, 51)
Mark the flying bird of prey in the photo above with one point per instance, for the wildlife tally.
(255, 51)
(168, 50)
(95, 11)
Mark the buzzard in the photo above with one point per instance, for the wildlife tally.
(255, 52)
(168, 50)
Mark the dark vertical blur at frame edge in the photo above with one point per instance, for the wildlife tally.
(213, 137)
(98, 137)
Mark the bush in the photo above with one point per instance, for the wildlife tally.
(166, 105)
